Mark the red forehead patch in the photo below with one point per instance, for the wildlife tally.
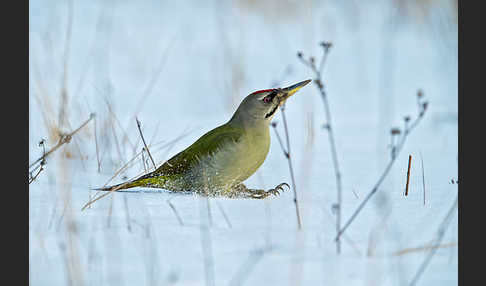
(263, 90)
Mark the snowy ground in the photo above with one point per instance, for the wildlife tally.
(182, 67)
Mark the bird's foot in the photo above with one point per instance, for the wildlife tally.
(261, 194)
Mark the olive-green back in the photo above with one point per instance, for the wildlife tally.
(206, 145)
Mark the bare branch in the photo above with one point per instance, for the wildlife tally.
(398, 147)
(318, 81)
(64, 138)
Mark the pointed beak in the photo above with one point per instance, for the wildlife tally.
(289, 91)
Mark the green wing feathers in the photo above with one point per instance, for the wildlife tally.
(206, 145)
(174, 168)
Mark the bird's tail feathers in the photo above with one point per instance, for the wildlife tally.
(118, 187)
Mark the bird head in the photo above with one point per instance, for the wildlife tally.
(260, 106)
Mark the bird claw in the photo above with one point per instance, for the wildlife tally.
(275, 191)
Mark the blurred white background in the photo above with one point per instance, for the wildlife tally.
(181, 68)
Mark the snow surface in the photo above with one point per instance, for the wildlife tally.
(182, 67)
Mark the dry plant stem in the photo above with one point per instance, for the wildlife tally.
(210, 216)
(125, 135)
(274, 125)
(120, 170)
(145, 144)
(175, 212)
(206, 245)
(127, 164)
(65, 138)
(143, 161)
(32, 178)
(64, 93)
(127, 212)
(382, 177)
(224, 214)
(96, 145)
(117, 144)
(320, 87)
(248, 265)
(408, 174)
(152, 81)
(287, 154)
(423, 175)
(124, 167)
(345, 237)
(440, 235)
(416, 249)
(110, 212)
(76, 144)
(104, 195)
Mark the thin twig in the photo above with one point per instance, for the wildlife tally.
(41, 165)
(64, 138)
(32, 178)
(294, 187)
(125, 135)
(96, 145)
(117, 144)
(408, 174)
(104, 195)
(423, 175)
(153, 80)
(210, 216)
(175, 212)
(440, 235)
(127, 212)
(320, 86)
(287, 155)
(143, 161)
(125, 167)
(145, 144)
(206, 245)
(110, 212)
(423, 248)
(248, 265)
(224, 214)
(345, 237)
(397, 149)
(274, 125)
(64, 93)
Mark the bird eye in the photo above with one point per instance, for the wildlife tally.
(267, 99)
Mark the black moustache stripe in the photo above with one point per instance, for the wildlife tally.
(272, 112)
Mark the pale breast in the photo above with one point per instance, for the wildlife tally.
(234, 162)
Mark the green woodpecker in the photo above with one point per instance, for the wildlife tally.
(219, 161)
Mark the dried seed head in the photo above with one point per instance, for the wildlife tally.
(406, 118)
(395, 131)
(420, 93)
(326, 45)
